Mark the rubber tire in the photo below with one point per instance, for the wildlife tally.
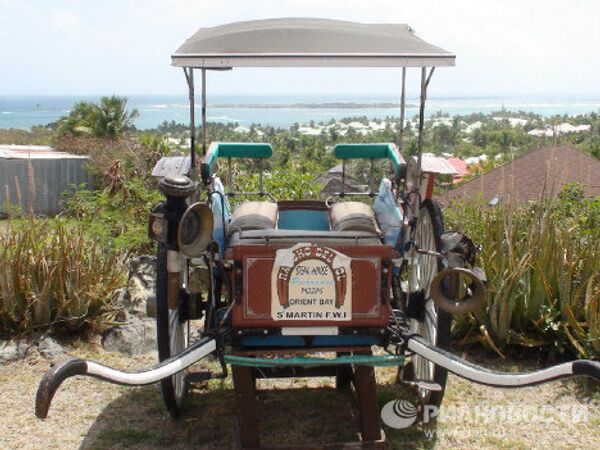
(444, 318)
(162, 329)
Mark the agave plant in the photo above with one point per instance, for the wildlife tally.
(543, 266)
(52, 274)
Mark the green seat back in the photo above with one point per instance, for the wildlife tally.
(372, 151)
(232, 150)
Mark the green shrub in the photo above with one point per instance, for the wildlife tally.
(117, 218)
(542, 261)
(284, 184)
(53, 274)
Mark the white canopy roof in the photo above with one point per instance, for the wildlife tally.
(300, 42)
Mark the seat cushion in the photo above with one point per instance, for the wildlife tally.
(253, 216)
(353, 216)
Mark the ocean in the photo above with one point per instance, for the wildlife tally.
(280, 111)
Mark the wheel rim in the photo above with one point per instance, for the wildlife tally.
(178, 341)
(423, 271)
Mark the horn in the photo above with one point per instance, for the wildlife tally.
(455, 305)
(195, 230)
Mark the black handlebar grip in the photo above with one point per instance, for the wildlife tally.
(52, 381)
(587, 368)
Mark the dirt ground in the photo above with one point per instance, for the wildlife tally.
(88, 414)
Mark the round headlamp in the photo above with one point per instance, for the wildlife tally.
(195, 230)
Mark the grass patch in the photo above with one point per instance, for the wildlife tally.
(124, 437)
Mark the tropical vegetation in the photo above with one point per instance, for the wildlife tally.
(55, 274)
(107, 119)
(542, 259)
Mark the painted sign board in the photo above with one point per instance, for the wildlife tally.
(311, 282)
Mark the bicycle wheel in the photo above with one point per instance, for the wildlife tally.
(172, 336)
(435, 326)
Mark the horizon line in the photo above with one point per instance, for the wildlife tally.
(347, 94)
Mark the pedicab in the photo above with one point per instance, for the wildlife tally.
(279, 288)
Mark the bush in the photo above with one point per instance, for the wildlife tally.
(283, 184)
(37, 135)
(542, 261)
(116, 216)
(55, 275)
(116, 213)
(134, 159)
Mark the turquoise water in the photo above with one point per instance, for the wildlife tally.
(27, 111)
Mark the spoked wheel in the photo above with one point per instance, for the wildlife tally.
(172, 336)
(435, 326)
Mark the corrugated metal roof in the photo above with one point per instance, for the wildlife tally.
(35, 152)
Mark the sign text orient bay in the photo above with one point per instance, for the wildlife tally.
(311, 282)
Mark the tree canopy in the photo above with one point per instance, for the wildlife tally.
(108, 118)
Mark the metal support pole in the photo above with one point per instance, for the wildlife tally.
(230, 175)
(371, 175)
(189, 76)
(421, 121)
(261, 187)
(424, 83)
(402, 105)
(204, 111)
(343, 175)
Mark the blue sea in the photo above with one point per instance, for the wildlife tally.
(279, 111)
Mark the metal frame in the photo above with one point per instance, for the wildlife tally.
(261, 191)
(208, 345)
(189, 76)
(425, 79)
(227, 61)
(402, 106)
(202, 62)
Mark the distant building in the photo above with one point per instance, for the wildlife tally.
(474, 126)
(35, 177)
(543, 171)
(310, 130)
(333, 183)
(461, 167)
(563, 128)
(241, 129)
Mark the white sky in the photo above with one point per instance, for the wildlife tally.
(509, 47)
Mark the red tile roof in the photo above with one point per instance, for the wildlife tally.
(460, 166)
(545, 170)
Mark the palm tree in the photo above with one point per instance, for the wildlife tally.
(79, 121)
(108, 119)
(112, 118)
